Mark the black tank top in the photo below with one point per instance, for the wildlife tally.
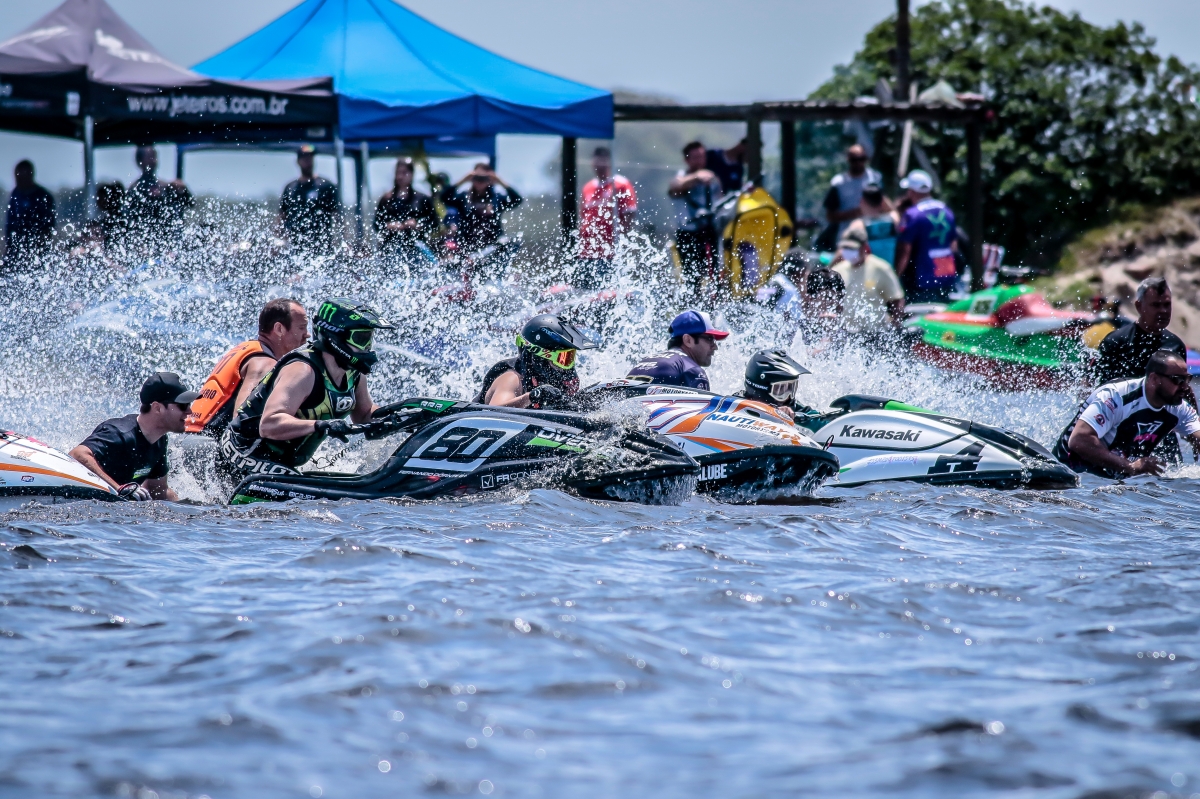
(499, 368)
(326, 401)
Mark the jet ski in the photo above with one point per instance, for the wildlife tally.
(458, 448)
(747, 450)
(877, 439)
(33, 471)
(1010, 335)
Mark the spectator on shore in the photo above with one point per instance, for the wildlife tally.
(155, 206)
(843, 202)
(822, 302)
(879, 222)
(874, 301)
(404, 217)
(698, 189)
(310, 209)
(480, 208)
(729, 165)
(29, 221)
(110, 223)
(925, 251)
(608, 208)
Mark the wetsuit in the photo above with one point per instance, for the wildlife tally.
(671, 368)
(248, 452)
(1126, 422)
(1125, 352)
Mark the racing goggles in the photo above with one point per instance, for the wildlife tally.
(784, 391)
(360, 337)
(563, 359)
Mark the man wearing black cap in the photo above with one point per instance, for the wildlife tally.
(310, 209)
(691, 347)
(130, 453)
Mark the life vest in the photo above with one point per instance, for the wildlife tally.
(499, 368)
(327, 400)
(212, 411)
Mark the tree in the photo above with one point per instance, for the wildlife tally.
(1086, 119)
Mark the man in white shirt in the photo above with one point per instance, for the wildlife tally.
(874, 299)
(1121, 423)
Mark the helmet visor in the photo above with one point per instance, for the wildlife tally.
(784, 391)
(361, 338)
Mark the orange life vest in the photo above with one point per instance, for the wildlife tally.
(221, 386)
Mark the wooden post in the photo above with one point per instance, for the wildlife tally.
(89, 168)
(902, 49)
(787, 166)
(570, 187)
(975, 202)
(754, 168)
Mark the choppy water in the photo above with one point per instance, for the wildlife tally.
(892, 640)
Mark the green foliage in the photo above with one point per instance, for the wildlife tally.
(1087, 118)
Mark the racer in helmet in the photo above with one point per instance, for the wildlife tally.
(543, 373)
(772, 377)
(312, 393)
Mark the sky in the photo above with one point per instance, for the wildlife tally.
(690, 50)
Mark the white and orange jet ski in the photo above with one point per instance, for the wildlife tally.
(747, 450)
(33, 471)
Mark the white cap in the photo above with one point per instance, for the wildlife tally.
(918, 180)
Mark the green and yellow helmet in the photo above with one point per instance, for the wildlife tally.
(346, 330)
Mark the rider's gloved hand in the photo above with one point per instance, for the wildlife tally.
(338, 428)
(546, 397)
(134, 492)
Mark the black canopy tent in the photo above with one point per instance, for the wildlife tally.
(82, 72)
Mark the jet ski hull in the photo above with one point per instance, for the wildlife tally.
(470, 449)
(880, 440)
(747, 450)
(31, 471)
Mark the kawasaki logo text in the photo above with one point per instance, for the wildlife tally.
(850, 431)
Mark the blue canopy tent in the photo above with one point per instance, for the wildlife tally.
(398, 76)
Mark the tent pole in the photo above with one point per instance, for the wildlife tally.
(975, 203)
(570, 180)
(787, 166)
(357, 157)
(179, 153)
(89, 167)
(339, 152)
(754, 148)
(365, 154)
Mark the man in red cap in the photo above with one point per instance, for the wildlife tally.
(691, 347)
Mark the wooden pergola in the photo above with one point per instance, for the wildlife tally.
(971, 117)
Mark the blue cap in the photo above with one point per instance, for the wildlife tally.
(695, 323)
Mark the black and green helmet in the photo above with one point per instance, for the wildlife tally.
(346, 330)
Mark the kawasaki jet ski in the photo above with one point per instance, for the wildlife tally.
(33, 471)
(878, 439)
(747, 450)
(457, 448)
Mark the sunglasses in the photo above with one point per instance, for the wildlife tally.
(1178, 380)
(361, 338)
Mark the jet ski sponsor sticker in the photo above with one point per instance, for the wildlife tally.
(714, 471)
(27, 478)
(850, 431)
(881, 460)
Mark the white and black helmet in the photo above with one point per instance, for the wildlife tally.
(771, 376)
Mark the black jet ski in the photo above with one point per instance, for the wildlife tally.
(748, 451)
(457, 448)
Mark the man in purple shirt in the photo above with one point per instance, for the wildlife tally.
(691, 347)
(925, 250)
